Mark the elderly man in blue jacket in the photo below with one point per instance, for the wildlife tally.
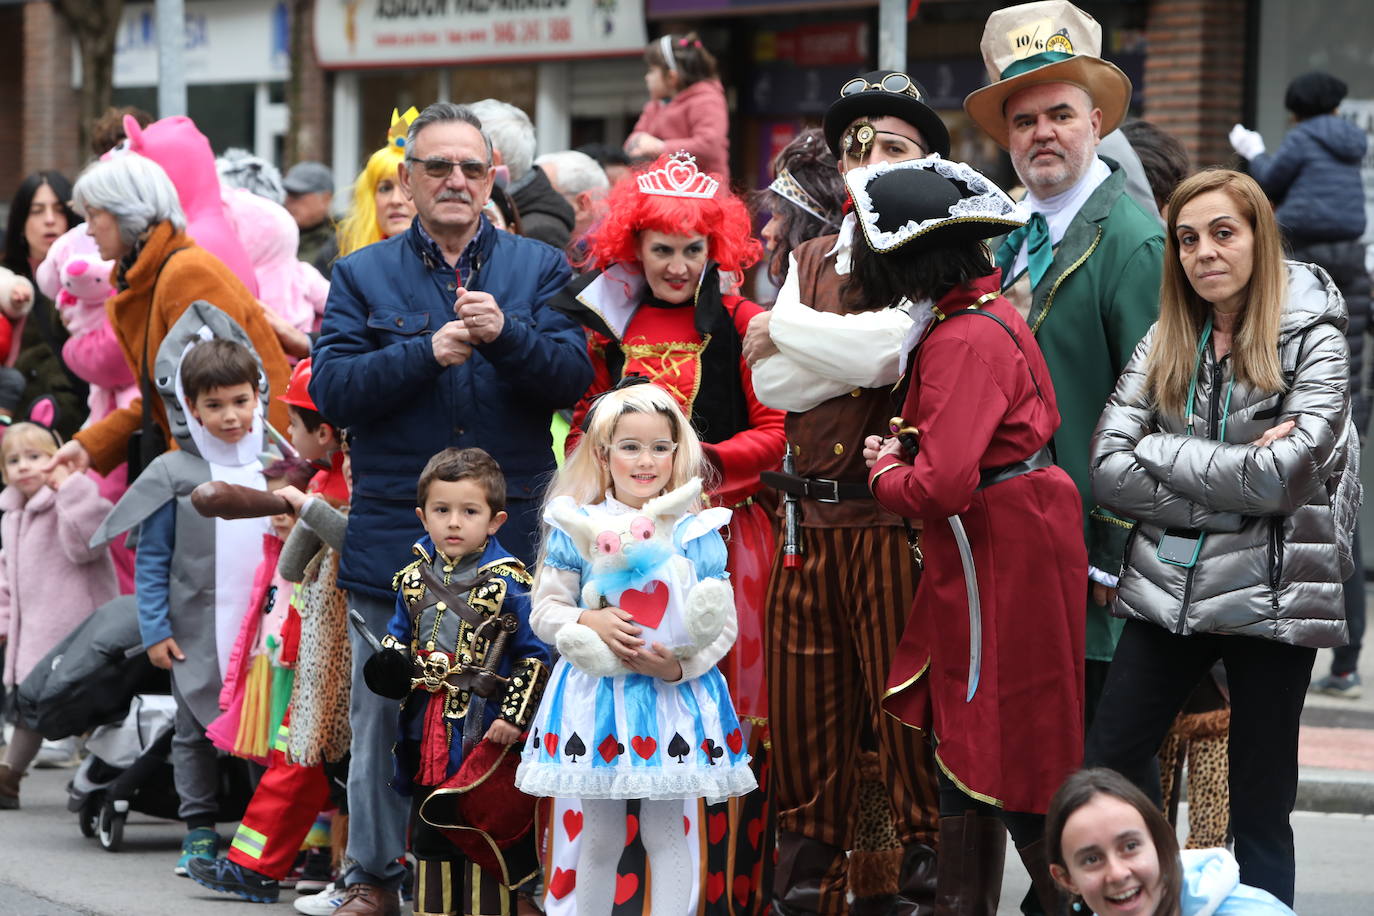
(438, 337)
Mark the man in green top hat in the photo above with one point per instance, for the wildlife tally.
(1085, 271)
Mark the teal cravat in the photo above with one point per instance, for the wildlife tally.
(1039, 250)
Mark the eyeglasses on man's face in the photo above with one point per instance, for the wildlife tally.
(439, 169)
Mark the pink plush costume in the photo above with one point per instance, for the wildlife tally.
(185, 155)
(50, 578)
(288, 286)
(75, 278)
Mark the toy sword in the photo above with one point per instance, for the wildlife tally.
(909, 437)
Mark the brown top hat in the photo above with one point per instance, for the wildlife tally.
(481, 812)
(1051, 41)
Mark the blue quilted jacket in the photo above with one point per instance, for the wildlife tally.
(374, 372)
(1314, 180)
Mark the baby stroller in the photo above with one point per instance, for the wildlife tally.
(100, 678)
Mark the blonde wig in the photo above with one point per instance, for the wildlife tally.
(1183, 313)
(360, 228)
(585, 475)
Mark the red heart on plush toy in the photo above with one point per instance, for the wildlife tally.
(646, 607)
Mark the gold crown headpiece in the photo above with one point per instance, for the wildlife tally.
(679, 177)
(400, 125)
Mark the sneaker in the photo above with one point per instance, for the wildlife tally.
(322, 904)
(317, 871)
(56, 755)
(232, 878)
(1345, 686)
(201, 843)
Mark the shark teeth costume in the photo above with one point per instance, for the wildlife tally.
(204, 608)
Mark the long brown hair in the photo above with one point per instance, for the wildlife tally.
(1085, 785)
(1182, 312)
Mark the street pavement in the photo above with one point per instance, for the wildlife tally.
(48, 869)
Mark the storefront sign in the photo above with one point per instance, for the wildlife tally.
(410, 33)
(663, 9)
(240, 42)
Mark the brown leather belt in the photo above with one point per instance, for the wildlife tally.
(821, 489)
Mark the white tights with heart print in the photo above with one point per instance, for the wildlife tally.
(603, 841)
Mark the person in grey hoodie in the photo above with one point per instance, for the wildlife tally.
(1314, 181)
(1228, 440)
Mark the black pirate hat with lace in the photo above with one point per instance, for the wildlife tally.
(928, 203)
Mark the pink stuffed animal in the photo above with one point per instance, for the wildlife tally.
(85, 287)
(184, 153)
(288, 286)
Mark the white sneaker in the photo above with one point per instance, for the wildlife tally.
(60, 754)
(322, 904)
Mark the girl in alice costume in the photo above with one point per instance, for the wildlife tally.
(632, 590)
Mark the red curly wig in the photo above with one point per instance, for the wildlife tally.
(723, 220)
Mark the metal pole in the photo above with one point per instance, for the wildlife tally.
(171, 62)
(892, 34)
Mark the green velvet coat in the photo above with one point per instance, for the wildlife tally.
(1099, 297)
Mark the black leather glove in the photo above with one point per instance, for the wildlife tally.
(387, 674)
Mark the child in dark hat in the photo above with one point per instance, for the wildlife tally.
(991, 666)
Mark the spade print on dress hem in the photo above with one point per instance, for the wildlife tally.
(574, 747)
(679, 748)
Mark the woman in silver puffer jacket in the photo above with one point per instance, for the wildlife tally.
(1226, 439)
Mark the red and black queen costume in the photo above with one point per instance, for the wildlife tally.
(990, 664)
(693, 350)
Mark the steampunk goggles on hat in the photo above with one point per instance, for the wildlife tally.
(893, 82)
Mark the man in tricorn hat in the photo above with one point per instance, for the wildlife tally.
(1085, 271)
(836, 619)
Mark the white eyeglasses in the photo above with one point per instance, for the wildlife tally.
(633, 448)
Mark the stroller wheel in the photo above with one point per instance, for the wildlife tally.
(88, 816)
(111, 827)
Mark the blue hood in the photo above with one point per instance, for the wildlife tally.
(1340, 137)
(1211, 887)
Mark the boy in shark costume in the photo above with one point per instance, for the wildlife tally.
(180, 595)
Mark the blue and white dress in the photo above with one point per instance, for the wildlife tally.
(636, 736)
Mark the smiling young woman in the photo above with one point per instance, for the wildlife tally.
(1112, 850)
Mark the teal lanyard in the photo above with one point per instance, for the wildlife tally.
(1192, 386)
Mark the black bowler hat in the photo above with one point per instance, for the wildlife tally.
(928, 203)
(882, 93)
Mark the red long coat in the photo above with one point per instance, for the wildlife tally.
(976, 408)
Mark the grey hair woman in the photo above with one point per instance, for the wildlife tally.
(136, 219)
(1228, 439)
(121, 198)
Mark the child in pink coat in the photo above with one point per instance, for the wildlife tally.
(50, 578)
(686, 108)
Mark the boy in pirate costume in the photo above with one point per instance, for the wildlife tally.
(461, 657)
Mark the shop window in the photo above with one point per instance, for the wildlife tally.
(381, 91)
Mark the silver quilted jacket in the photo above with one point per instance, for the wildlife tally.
(1268, 564)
